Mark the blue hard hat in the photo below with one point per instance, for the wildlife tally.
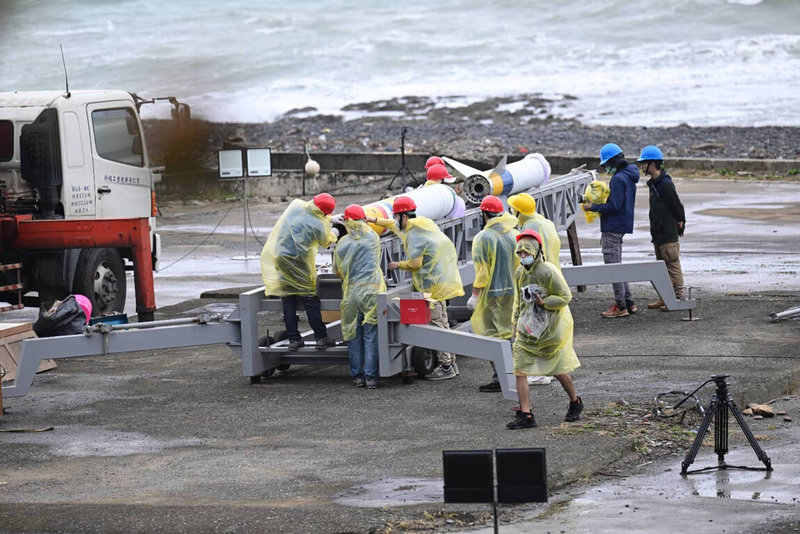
(651, 153)
(608, 151)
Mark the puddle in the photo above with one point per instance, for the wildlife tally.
(393, 492)
(222, 308)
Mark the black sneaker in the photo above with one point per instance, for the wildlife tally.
(296, 344)
(574, 412)
(491, 387)
(523, 420)
(325, 342)
(631, 306)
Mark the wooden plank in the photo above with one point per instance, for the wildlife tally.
(11, 337)
(9, 329)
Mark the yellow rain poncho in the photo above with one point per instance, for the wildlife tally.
(495, 262)
(597, 193)
(432, 260)
(356, 261)
(543, 346)
(287, 259)
(545, 228)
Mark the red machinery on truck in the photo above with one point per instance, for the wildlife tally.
(77, 204)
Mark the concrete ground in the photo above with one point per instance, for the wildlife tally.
(179, 441)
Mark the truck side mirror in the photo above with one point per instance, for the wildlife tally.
(181, 113)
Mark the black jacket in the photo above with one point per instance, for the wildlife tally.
(666, 210)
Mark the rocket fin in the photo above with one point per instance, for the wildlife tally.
(500, 167)
(464, 169)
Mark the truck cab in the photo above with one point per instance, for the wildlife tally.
(77, 155)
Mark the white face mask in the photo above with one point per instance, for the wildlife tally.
(527, 260)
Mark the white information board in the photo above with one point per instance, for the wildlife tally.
(230, 164)
(259, 162)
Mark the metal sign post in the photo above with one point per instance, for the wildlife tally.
(231, 165)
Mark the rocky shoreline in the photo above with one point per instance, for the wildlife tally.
(488, 128)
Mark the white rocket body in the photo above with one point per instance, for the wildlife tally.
(531, 171)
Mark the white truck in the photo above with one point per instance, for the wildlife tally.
(68, 157)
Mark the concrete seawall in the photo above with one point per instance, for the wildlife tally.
(350, 173)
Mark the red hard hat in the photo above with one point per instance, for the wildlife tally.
(433, 160)
(531, 233)
(492, 204)
(325, 202)
(403, 204)
(354, 212)
(438, 172)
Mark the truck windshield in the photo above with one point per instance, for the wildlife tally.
(117, 136)
(6, 140)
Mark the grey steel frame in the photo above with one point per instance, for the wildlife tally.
(150, 336)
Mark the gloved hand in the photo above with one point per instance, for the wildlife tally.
(473, 300)
(337, 219)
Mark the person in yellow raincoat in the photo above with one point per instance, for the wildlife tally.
(356, 261)
(524, 209)
(543, 328)
(288, 266)
(493, 289)
(523, 206)
(433, 263)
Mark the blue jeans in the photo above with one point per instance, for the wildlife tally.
(312, 306)
(363, 350)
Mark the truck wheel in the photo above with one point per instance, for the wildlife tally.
(424, 361)
(100, 275)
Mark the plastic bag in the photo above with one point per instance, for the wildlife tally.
(596, 192)
(534, 319)
(60, 318)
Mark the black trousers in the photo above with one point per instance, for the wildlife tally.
(312, 306)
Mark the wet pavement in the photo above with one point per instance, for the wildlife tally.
(657, 499)
(179, 441)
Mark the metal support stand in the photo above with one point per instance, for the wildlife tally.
(403, 169)
(575, 249)
(721, 403)
(246, 217)
(689, 296)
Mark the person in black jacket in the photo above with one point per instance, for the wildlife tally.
(667, 218)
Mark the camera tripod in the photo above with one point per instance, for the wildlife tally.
(403, 170)
(721, 404)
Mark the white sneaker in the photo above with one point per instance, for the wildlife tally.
(539, 380)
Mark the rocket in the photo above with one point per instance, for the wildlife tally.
(504, 179)
(436, 201)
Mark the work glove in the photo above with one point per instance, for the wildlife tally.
(473, 300)
(337, 219)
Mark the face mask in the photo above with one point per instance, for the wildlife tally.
(609, 169)
(527, 260)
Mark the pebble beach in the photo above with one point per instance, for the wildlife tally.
(486, 129)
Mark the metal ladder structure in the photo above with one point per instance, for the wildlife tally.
(558, 200)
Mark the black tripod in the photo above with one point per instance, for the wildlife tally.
(403, 170)
(721, 403)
